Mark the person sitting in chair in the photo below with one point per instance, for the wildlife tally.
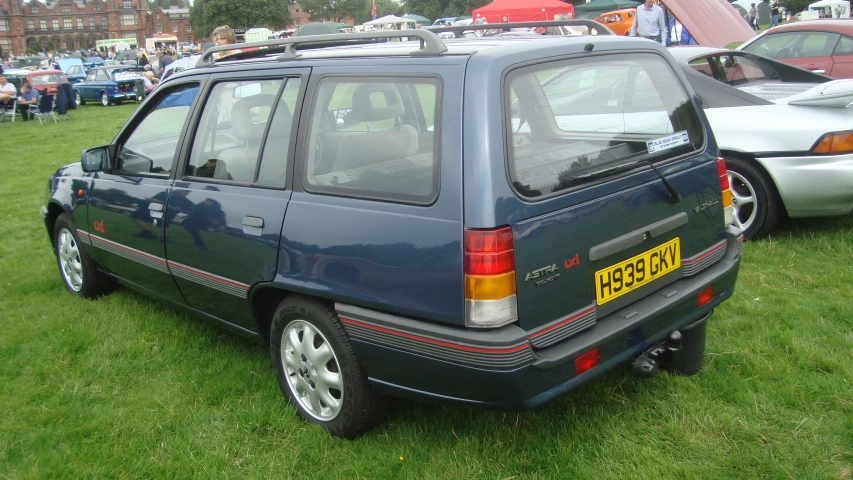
(27, 100)
(149, 81)
(8, 92)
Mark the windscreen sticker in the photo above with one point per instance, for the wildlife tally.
(665, 143)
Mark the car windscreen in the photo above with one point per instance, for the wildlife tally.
(570, 122)
(49, 79)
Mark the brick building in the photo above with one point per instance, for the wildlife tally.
(76, 24)
(300, 17)
(171, 21)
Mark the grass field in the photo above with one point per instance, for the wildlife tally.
(124, 387)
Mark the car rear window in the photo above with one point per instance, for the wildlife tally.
(570, 122)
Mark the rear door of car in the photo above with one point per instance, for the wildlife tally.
(226, 209)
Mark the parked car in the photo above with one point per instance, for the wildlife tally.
(40, 80)
(783, 131)
(446, 227)
(619, 21)
(822, 46)
(109, 85)
(179, 65)
(73, 69)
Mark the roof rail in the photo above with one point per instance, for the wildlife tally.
(592, 25)
(430, 44)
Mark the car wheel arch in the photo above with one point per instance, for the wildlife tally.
(746, 157)
(54, 210)
(772, 189)
(264, 300)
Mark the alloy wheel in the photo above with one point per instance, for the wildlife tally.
(69, 260)
(744, 200)
(105, 100)
(312, 370)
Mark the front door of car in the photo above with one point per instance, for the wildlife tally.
(127, 204)
(86, 88)
(223, 236)
(812, 51)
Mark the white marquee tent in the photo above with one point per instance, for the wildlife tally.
(838, 8)
(393, 21)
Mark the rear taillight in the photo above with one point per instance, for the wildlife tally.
(489, 268)
(705, 296)
(726, 193)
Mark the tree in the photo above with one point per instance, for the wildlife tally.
(383, 7)
(206, 15)
(333, 10)
(795, 6)
(433, 9)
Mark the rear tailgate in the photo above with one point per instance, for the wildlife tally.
(609, 228)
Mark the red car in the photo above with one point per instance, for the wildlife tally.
(822, 46)
(46, 79)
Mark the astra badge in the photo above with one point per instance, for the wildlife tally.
(541, 272)
(705, 205)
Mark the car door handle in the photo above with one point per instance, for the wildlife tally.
(253, 225)
(155, 209)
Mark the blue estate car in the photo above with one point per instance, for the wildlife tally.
(488, 222)
(108, 85)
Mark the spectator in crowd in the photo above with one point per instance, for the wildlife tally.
(678, 34)
(752, 16)
(8, 92)
(141, 58)
(774, 14)
(650, 23)
(26, 100)
(163, 59)
(149, 81)
(224, 35)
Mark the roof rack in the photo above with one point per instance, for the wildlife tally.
(430, 44)
(458, 30)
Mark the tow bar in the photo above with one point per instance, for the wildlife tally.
(659, 356)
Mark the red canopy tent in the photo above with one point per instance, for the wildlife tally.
(523, 10)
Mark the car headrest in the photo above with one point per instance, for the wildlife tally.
(364, 95)
(241, 117)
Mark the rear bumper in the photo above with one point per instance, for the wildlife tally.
(813, 185)
(500, 369)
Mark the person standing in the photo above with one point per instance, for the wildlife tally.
(224, 35)
(752, 16)
(650, 22)
(774, 14)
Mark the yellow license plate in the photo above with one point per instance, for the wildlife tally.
(617, 280)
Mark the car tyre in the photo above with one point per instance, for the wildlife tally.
(79, 99)
(105, 99)
(757, 204)
(78, 271)
(318, 371)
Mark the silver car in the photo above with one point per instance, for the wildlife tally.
(786, 134)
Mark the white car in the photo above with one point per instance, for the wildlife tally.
(786, 134)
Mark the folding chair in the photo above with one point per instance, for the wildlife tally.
(46, 105)
(8, 110)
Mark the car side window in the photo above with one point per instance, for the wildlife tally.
(102, 76)
(777, 45)
(374, 138)
(274, 159)
(92, 76)
(816, 45)
(231, 129)
(844, 47)
(151, 146)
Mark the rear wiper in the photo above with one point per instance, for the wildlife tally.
(674, 196)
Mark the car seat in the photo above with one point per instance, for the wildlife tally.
(366, 148)
(238, 164)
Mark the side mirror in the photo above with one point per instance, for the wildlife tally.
(97, 159)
